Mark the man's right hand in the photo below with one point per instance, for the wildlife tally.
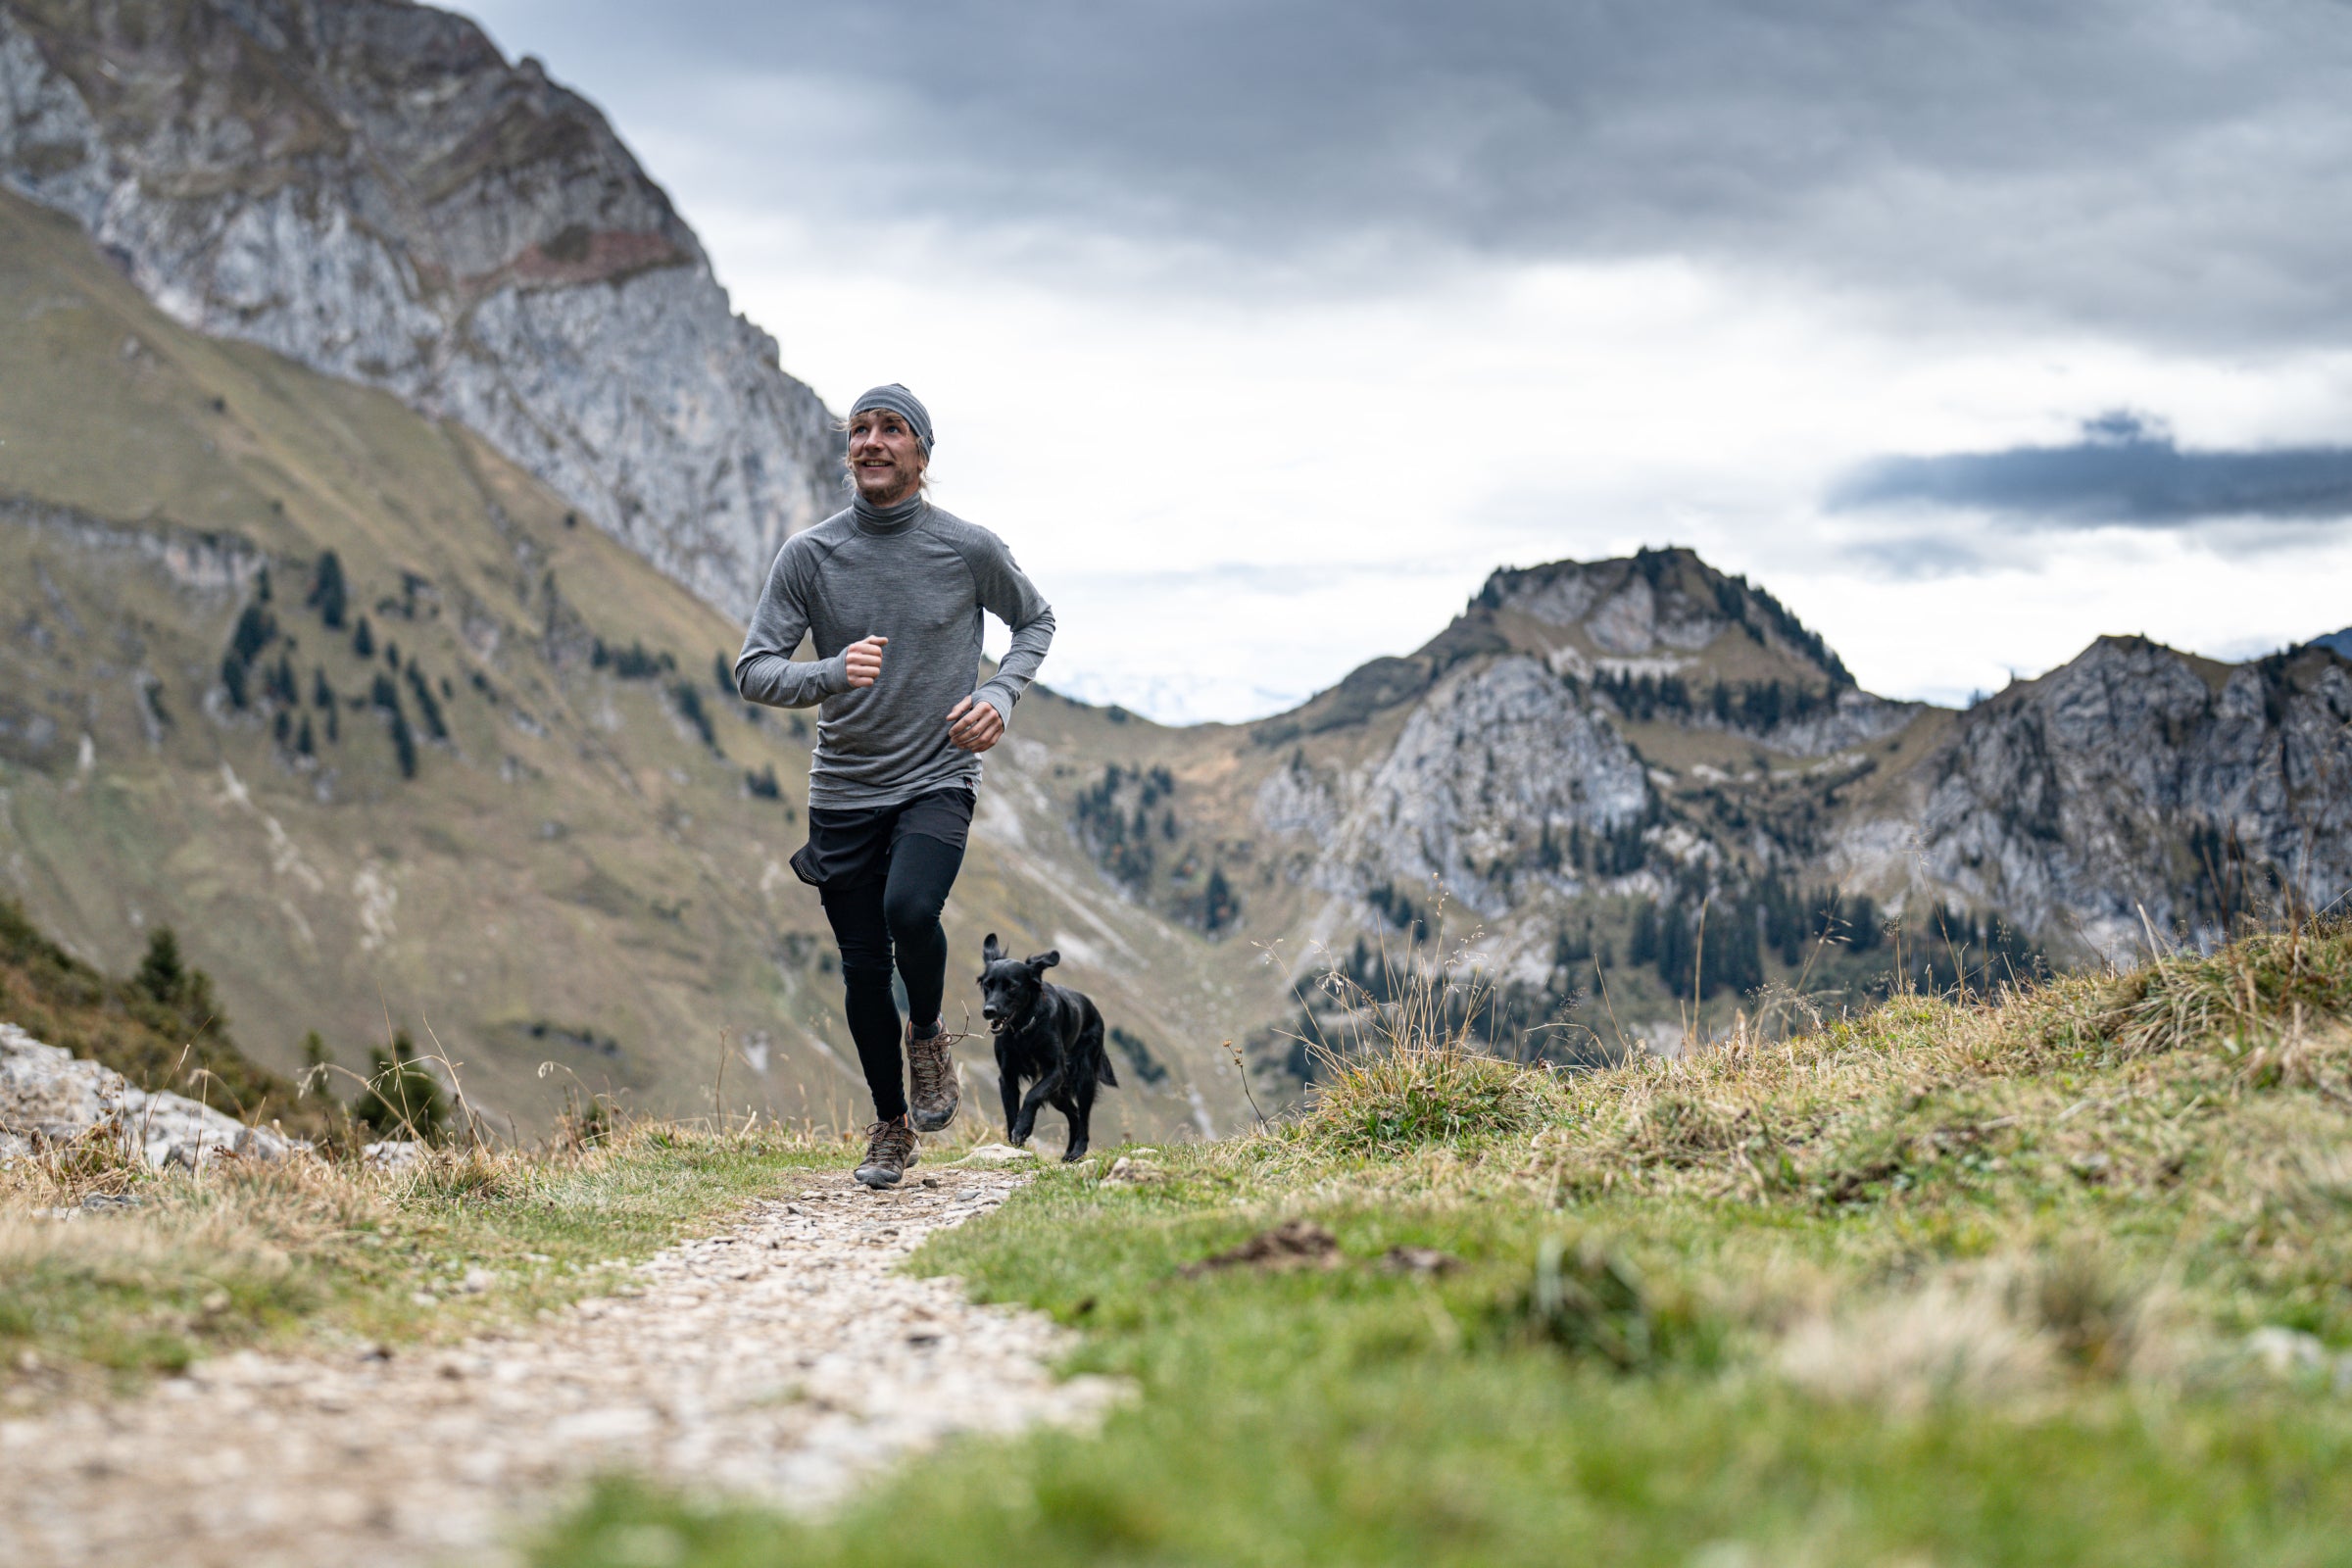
(865, 659)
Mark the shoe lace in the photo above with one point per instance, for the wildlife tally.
(929, 1063)
(887, 1138)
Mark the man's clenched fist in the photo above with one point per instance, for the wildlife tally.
(975, 725)
(865, 659)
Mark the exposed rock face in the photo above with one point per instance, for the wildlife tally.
(369, 189)
(1490, 764)
(1715, 743)
(49, 1096)
(2133, 779)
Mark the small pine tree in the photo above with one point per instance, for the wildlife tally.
(301, 739)
(162, 974)
(362, 639)
(403, 744)
(171, 996)
(327, 591)
(1218, 907)
(402, 1098)
(321, 694)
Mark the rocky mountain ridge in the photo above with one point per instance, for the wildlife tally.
(368, 188)
(1645, 776)
(2136, 790)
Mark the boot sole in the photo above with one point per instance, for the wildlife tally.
(877, 1179)
(932, 1123)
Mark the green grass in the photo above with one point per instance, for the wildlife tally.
(330, 1253)
(1950, 1282)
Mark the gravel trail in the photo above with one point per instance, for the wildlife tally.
(782, 1359)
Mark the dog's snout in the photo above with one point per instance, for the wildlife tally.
(987, 1011)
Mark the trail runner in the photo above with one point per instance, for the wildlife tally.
(890, 592)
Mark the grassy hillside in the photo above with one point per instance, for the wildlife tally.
(516, 813)
(2056, 1276)
(161, 1027)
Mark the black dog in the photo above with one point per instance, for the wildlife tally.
(1050, 1033)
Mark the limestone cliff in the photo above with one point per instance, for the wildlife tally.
(2134, 790)
(368, 188)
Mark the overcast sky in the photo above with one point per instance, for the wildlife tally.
(1265, 330)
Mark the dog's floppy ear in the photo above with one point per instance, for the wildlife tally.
(990, 953)
(1045, 959)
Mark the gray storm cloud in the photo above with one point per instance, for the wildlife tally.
(2166, 170)
(2125, 469)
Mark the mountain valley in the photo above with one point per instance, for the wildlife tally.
(382, 475)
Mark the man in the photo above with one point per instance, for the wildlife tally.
(890, 592)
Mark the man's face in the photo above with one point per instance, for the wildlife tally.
(885, 459)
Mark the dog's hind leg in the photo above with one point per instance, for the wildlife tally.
(1080, 1109)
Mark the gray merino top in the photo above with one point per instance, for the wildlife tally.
(920, 577)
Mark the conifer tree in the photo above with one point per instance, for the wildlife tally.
(402, 1098)
(327, 590)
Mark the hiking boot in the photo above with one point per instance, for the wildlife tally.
(889, 1150)
(931, 1092)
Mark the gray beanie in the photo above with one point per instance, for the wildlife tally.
(901, 401)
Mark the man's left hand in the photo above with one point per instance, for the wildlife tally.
(975, 725)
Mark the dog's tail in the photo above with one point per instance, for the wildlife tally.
(1093, 1033)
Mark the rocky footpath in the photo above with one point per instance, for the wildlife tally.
(371, 189)
(782, 1359)
(49, 1096)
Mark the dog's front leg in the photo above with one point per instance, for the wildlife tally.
(1026, 1123)
(1012, 1090)
(1009, 1088)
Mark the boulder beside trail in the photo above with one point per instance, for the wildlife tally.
(49, 1096)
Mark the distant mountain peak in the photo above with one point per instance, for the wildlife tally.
(1654, 613)
(1671, 598)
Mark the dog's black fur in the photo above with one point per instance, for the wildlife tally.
(1044, 1032)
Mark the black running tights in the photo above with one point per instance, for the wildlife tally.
(900, 911)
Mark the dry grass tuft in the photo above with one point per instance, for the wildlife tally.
(2245, 995)
(1435, 1093)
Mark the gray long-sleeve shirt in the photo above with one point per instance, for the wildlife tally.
(921, 581)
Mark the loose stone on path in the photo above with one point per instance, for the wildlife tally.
(780, 1361)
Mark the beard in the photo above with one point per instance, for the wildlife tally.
(887, 486)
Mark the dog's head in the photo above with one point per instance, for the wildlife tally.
(1008, 987)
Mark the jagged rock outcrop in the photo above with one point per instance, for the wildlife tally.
(2133, 789)
(1496, 763)
(48, 1095)
(1585, 733)
(368, 187)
